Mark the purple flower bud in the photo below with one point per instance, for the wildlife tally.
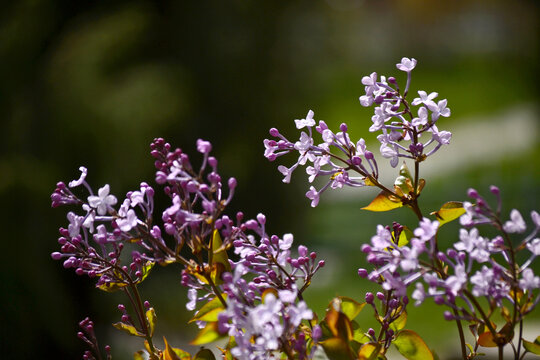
(212, 161)
(448, 316)
(379, 99)
(472, 193)
(125, 318)
(392, 80)
(369, 298)
(451, 253)
(204, 147)
(302, 250)
(56, 255)
(294, 263)
(393, 304)
(343, 127)
(371, 332)
(390, 333)
(274, 132)
(121, 307)
(380, 295)
(313, 255)
(366, 248)
(362, 273)
(232, 183)
(405, 300)
(494, 190)
(261, 219)
(369, 155)
(321, 263)
(441, 256)
(316, 333)
(79, 271)
(439, 300)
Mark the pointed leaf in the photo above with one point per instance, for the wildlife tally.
(139, 355)
(204, 354)
(207, 335)
(533, 347)
(449, 212)
(382, 202)
(400, 322)
(350, 307)
(145, 271)
(486, 340)
(338, 323)
(219, 256)
(411, 345)
(129, 329)
(210, 311)
(336, 349)
(405, 236)
(369, 351)
(168, 353)
(151, 317)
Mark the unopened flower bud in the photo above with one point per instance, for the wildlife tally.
(343, 127)
(369, 298)
(362, 273)
(274, 132)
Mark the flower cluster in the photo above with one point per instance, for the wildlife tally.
(338, 157)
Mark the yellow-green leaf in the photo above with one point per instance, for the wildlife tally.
(449, 212)
(168, 353)
(338, 323)
(336, 349)
(533, 347)
(411, 346)
(204, 354)
(369, 351)
(151, 317)
(360, 336)
(210, 311)
(112, 286)
(350, 307)
(400, 322)
(405, 236)
(208, 334)
(139, 355)
(129, 329)
(382, 202)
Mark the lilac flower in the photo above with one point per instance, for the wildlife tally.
(313, 195)
(308, 121)
(75, 183)
(528, 281)
(439, 109)
(406, 64)
(103, 201)
(425, 98)
(516, 224)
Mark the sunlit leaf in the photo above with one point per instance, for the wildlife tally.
(350, 307)
(210, 311)
(204, 354)
(151, 317)
(129, 329)
(533, 347)
(449, 212)
(411, 345)
(400, 322)
(145, 271)
(405, 236)
(139, 355)
(369, 351)
(220, 260)
(360, 336)
(338, 323)
(168, 353)
(208, 334)
(383, 202)
(486, 340)
(336, 349)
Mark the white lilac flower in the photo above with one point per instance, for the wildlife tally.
(75, 183)
(308, 121)
(456, 282)
(534, 246)
(535, 218)
(427, 229)
(103, 201)
(442, 137)
(390, 153)
(383, 239)
(129, 222)
(287, 172)
(516, 224)
(439, 109)
(425, 98)
(528, 281)
(75, 222)
(422, 118)
(406, 64)
(313, 195)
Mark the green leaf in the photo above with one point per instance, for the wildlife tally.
(204, 354)
(400, 322)
(383, 202)
(360, 336)
(151, 317)
(405, 236)
(350, 307)
(411, 345)
(138, 355)
(533, 347)
(336, 349)
(129, 329)
(207, 335)
(369, 351)
(210, 311)
(169, 353)
(145, 271)
(449, 212)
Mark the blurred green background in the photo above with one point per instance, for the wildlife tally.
(93, 82)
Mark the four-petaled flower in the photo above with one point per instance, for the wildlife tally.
(103, 201)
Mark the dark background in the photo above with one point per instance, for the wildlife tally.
(93, 82)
